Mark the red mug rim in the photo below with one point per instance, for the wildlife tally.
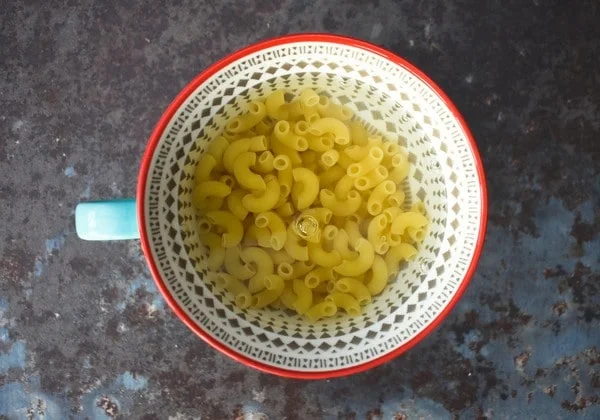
(187, 91)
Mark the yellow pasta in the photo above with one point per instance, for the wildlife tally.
(265, 201)
(378, 276)
(204, 168)
(358, 134)
(379, 194)
(366, 164)
(209, 189)
(340, 207)
(345, 301)
(333, 126)
(216, 254)
(397, 254)
(354, 287)
(274, 105)
(304, 296)
(366, 255)
(309, 191)
(244, 176)
(236, 148)
(235, 266)
(318, 276)
(234, 231)
(321, 310)
(376, 235)
(408, 219)
(371, 179)
(276, 227)
(234, 204)
(294, 247)
(238, 289)
(283, 132)
(301, 207)
(262, 263)
(257, 111)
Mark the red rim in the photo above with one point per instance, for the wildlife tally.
(184, 94)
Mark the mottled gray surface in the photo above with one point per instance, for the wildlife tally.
(83, 331)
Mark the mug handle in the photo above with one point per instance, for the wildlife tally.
(107, 220)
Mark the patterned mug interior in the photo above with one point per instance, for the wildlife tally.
(390, 100)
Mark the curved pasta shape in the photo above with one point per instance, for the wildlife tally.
(321, 257)
(304, 296)
(275, 105)
(285, 270)
(371, 179)
(322, 214)
(261, 260)
(344, 186)
(358, 133)
(283, 165)
(366, 164)
(340, 207)
(332, 175)
(281, 149)
(217, 148)
(216, 252)
(309, 183)
(256, 112)
(390, 214)
(234, 231)
(341, 245)
(206, 190)
(379, 194)
(288, 297)
(397, 254)
(356, 153)
(317, 276)
(329, 158)
(308, 157)
(257, 236)
(408, 219)
(333, 126)
(321, 310)
(328, 109)
(320, 143)
(359, 291)
(244, 176)
(264, 162)
(265, 201)
(301, 268)
(234, 204)
(345, 301)
(309, 97)
(273, 289)
(300, 128)
(286, 209)
(236, 148)
(396, 199)
(242, 296)
(416, 234)
(235, 266)
(204, 167)
(353, 231)
(366, 255)
(294, 247)
(379, 276)
(280, 257)
(276, 227)
(264, 127)
(283, 132)
(310, 113)
(376, 235)
(345, 161)
(227, 180)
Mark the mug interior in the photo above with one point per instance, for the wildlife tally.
(390, 100)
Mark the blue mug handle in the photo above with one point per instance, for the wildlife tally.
(107, 220)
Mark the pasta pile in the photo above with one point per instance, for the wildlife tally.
(300, 207)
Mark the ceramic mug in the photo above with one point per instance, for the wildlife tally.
(386, 93)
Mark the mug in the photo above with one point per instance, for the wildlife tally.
(389, 95)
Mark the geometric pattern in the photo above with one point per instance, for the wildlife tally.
(388, 99)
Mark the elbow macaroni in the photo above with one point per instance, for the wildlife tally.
(301, 208)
